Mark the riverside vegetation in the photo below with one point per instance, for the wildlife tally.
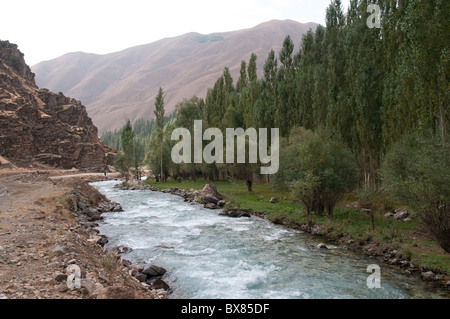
(396, 237)
(363, 118)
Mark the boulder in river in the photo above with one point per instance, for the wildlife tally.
(209, 194)
(321, 246)
(153, 271)
(160, 284)
(210, 206)
(236, 213)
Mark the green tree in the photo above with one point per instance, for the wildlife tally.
(126, 159)
(252, 69)
(319, 169)
(159, 112)
(286, 111)
(265, 106)
(187, 112)
(243, 78)
(417, 170)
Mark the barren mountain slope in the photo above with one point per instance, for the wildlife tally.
(123, 85)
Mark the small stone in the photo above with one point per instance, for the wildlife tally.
(210, 206)
(81, 205)
(63, 287)
(321, 246)
(401, 215)
(221, 203)
(428, 275)
(59, 250)
(137, 268)
(141, 277)
(407, 220)
(102, 241)
(160, 284)
(274, 200)
(388, 215)
(60, 277)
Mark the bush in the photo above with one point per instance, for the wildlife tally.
(417, 170)
(319, 168)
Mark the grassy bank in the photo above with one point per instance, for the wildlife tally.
(348, 225)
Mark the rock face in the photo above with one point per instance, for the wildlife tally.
(38, 126)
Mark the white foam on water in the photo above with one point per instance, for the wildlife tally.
(211, 256)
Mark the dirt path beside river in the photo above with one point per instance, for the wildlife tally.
(40, 238)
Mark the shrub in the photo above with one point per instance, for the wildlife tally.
(319, 168)
(417, 170)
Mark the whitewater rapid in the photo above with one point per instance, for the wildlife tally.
(209, 256)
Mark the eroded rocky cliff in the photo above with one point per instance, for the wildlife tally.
(38, 126)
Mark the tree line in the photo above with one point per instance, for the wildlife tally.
(356, 106)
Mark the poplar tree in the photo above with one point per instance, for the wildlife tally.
(252, 69)
(159, 112)
(126, 160)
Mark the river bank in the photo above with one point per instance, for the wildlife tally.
(47, 227)
(386, 253)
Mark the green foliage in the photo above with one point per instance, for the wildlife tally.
(159, 113)
(125, 160)
(142, 128)
(417, 170)
(187, 112)
(319, 168)
(356, 92)
(332, 167)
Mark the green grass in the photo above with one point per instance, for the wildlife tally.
(348, 223)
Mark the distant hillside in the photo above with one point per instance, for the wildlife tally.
(123, 85)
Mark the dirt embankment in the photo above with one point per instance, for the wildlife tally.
(44, 241)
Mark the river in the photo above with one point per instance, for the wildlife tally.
(209, 256)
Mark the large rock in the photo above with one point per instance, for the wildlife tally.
(209, 194)
(38, 126)
(236, 213)
(160, 284)
(153, 270)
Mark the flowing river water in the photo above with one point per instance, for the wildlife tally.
(209, 256)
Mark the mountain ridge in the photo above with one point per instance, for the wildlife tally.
(123, 85)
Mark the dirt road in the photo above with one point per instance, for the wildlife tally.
(40, 237)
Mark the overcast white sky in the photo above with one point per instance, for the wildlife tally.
(46, 29)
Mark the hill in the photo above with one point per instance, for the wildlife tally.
(41, 127)
(123, 85)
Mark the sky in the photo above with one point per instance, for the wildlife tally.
(47, 29)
